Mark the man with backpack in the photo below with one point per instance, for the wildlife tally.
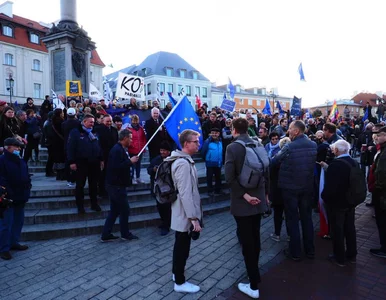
(186, 209)
(247, 173)
(343, 178)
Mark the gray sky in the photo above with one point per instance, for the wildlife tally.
(255, 43)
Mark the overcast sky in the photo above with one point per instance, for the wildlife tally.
(256, 43)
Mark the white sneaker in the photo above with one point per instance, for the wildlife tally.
(174, 278)
(139, 181)
(246, 289)
(186, 287)
(70, 184)
(275, 237)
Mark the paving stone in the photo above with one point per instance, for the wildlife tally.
(111, 291)
(90, 293)
(130, 290)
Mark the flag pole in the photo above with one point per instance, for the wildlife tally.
(158, 129)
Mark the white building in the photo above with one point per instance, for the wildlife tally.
(25, 59)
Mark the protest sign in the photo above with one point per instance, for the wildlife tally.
(130, 86)
(228, 105)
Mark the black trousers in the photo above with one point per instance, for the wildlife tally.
(50, 162)
(90, 171)
(101, 184)
(380, 218)
(343, 228)
(165, 212)
(248, 229)
(180, 255)
(278, 212)
(33, 144)
(216, 171)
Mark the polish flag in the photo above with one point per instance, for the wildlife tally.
(198, 101)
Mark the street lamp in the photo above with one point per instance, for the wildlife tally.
(10, 89)
(273, 96)
(327, 108)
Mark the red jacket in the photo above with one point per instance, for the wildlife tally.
(138, 140)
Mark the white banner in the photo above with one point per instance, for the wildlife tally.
(94, 94)
(56, 102)
(130, 86)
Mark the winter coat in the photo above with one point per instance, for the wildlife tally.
(212, 152)
(138, 140)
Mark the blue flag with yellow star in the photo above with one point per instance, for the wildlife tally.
(180, 118)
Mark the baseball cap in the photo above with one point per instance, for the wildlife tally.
(2, 103)
(71, 111)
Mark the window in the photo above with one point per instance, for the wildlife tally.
(352, 109)
(198, 91)
(91, 76)
(182, 73)
(149, 88)
(170, 88)
(180, 89)
(241, 101)
(357, 109)
(249, 101)
(36, 65)
(37, 90)
(8, 59)
(169, 72)
(162, 88)
(204, 92)
(8, 31)
(188, 90)
(34, 38)
(195, 75)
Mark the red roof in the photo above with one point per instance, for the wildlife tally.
(363, 98)
(21, 37)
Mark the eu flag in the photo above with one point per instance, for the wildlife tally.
(267, 108)
(172, 100)
(281, 111)
(180, 118)
(231, 89)
(301, 73)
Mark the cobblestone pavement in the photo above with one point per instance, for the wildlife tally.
(84, 268)
(319, 278)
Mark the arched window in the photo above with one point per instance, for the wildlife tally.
(8, 59)
(7, 31)
(36, 65)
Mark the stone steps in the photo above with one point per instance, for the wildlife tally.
(70, 214)
(87, 227)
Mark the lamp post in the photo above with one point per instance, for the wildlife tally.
(10, 89)
(326, 108)
(273, 96)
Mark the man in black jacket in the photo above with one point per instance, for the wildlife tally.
(108, 137)
(164, 210)
(85, 157)
(117, 179)
(342, 214)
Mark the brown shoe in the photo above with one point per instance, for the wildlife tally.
(19, 247)
(6, 255)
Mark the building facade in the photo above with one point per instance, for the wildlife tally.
(25, 62)
(354, 108)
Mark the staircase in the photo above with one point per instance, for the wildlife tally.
(52, 213)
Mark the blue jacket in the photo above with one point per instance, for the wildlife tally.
(118, 168)
(14, 176)
(81, 148)
(297, 164)
(212, 152)
(32, 126)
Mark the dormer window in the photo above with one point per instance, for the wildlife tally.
(144, 71)
(34, 38)
(182, 73)
(7, 31)
(169, 72)
(195, 75)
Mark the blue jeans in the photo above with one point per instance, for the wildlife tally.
(299, 204)
(10, 227)
(119, 206)
(136, 167)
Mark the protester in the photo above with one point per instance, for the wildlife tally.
(227, 137)
(272, 147)
(209, 124)
(58, 157)
(33, 136)
(263, 135)
(29, 105)
(342, 213)
(9, 126)
(45, 108)
(187, 209)
(86, 158)
(117, 180)
(117, 123)
(67, 127)
(107, 137)
(247, 204)
(164, 209)
(297, 160)
(379, 192)
(47, 140)
(151, 127)
(15, 180)
(137, 144)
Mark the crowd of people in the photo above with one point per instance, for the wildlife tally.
(298, 166)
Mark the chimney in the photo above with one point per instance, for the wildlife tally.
(6, 9)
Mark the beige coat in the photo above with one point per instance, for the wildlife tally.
(188, 203)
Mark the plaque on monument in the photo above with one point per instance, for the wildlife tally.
(59, 70)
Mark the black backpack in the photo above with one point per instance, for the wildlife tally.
(357, 191)
(164, 189)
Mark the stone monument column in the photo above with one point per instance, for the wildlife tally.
(69, 48)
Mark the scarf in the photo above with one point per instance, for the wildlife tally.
(272, 148)
(90, 135)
